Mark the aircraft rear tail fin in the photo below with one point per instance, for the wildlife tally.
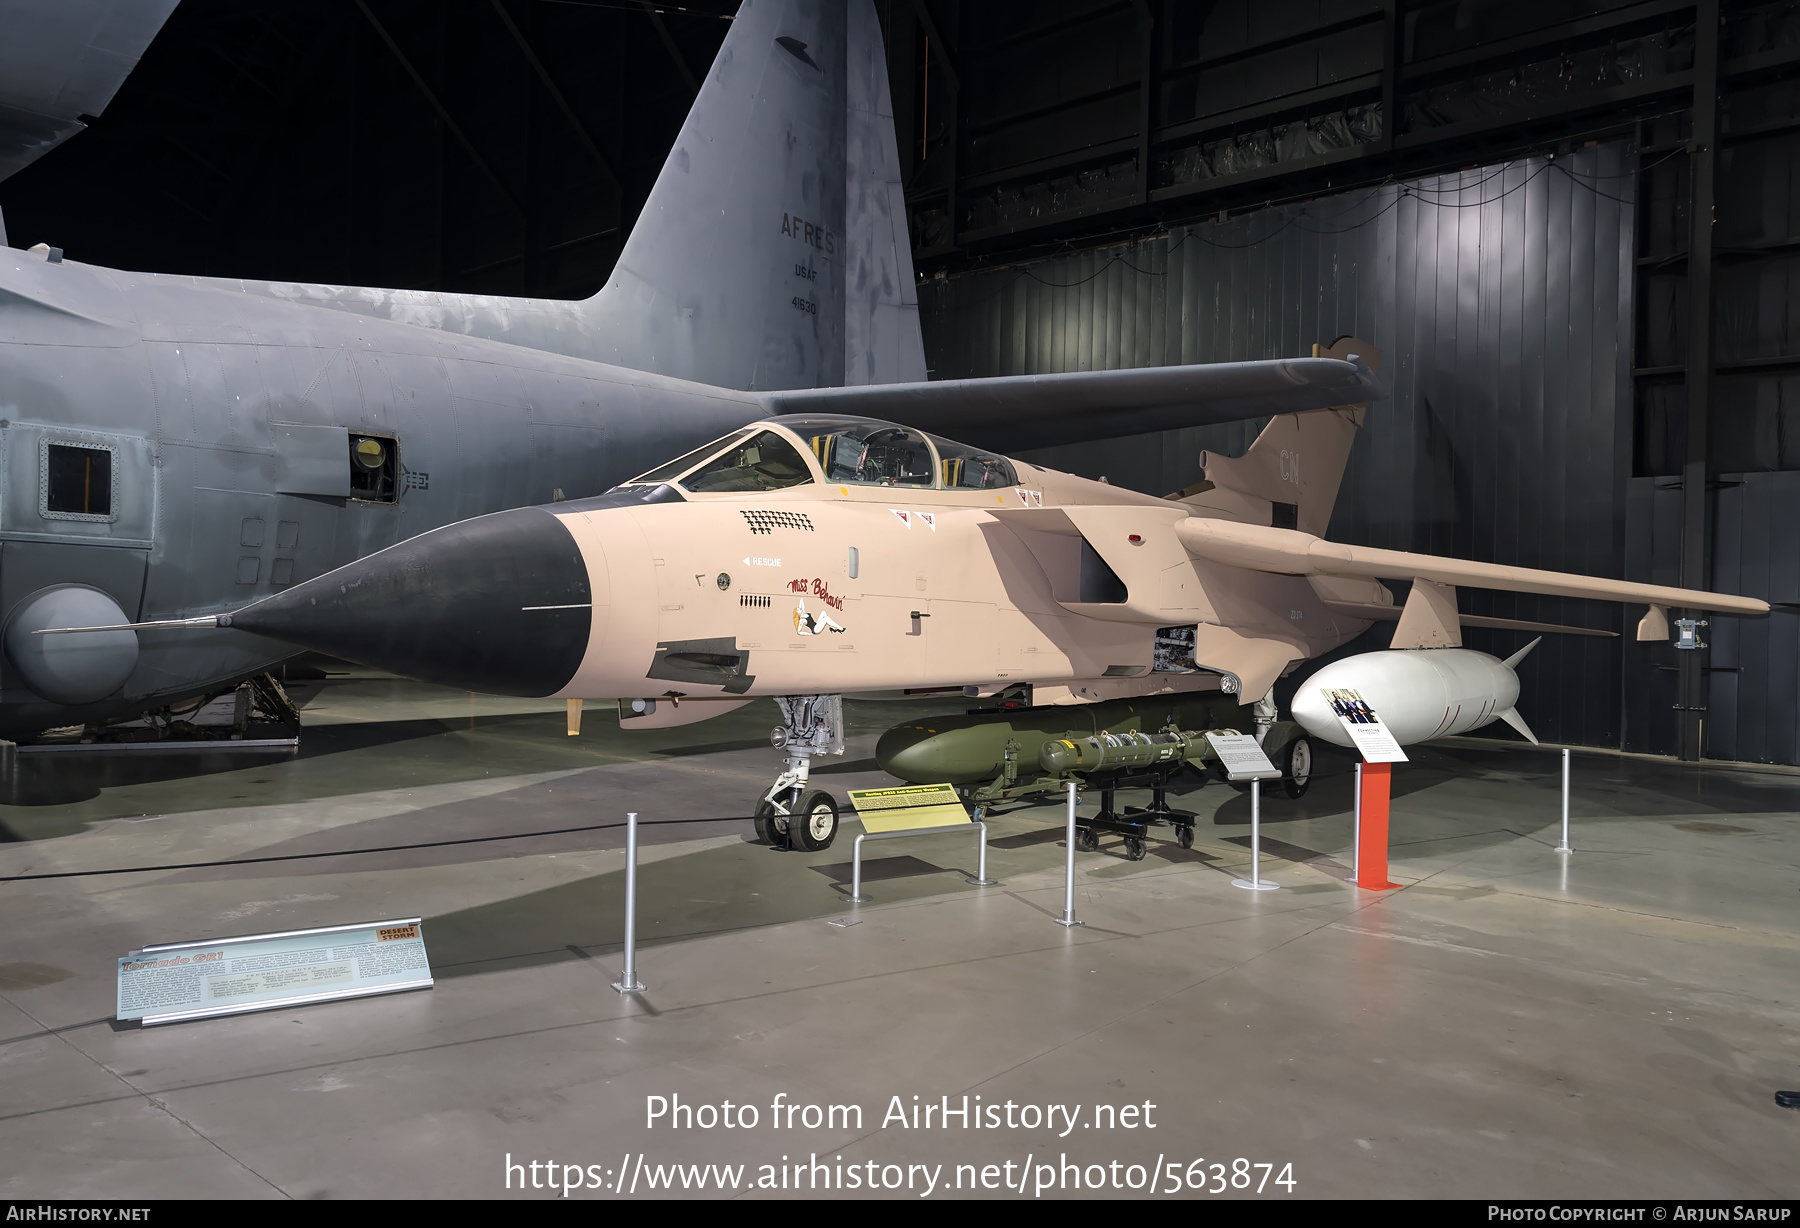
(1297, 462)
(772, 252)
(882, 340)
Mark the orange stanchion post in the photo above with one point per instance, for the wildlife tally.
(1372, 833)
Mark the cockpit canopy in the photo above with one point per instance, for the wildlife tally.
(844, 451)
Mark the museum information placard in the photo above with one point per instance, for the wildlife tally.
(223, 976)
(1372, 739)
(1242, 757)
(908, 806)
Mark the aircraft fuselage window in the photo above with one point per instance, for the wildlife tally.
(77, 480)
(765, 461)
(374, 468)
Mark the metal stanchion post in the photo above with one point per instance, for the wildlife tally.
(1068, 914)
(1255, 882)
(981, 879)
(1564, 846)
(628, 982)
(1356, 827)
(856, 895)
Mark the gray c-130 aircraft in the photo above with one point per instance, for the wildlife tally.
(175, 446)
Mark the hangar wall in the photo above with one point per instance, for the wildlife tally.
(1503, 299)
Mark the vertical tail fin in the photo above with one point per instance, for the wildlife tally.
(882, 342)
(745, 269)
(1298, 461)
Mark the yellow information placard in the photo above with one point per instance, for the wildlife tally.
(907, 807)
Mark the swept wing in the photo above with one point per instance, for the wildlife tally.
(1290, 552)
(1030, 411)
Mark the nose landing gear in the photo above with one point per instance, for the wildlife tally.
(790, 816)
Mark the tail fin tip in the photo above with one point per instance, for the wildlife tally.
(1511, 717)
(772, 252)
(1512, 662)
(1297, 463)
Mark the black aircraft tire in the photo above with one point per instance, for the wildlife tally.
(771, 828)
(1296, 768)
(815, 821)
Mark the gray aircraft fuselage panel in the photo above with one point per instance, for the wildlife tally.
(218, 412)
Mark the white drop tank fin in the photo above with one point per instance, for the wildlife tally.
(1512, 662)
(1511, 717)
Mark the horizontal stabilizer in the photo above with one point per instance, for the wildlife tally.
(1511, 717)
(61, 63)
(1017, 412)
(1290, 552)
(1391, 613)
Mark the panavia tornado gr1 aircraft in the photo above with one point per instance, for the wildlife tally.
(812, 555)
(177, 446)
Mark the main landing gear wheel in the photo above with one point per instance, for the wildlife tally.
(771, 828)
(1296, 768)
(815, 822)
(1134, 848)
(1086, 839)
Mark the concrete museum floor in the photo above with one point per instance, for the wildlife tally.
(1512, 1022)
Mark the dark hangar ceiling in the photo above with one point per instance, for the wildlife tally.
(506, 145)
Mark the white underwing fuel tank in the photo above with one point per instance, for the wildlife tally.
(1419, 693)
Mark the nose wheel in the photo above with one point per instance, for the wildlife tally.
(771, 824)
(816, 824)
(790, 815)
(810, 825)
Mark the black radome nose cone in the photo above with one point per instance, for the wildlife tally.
(498, 604)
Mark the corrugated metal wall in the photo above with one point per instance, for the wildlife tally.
(1753, 700)
(1501, 297)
